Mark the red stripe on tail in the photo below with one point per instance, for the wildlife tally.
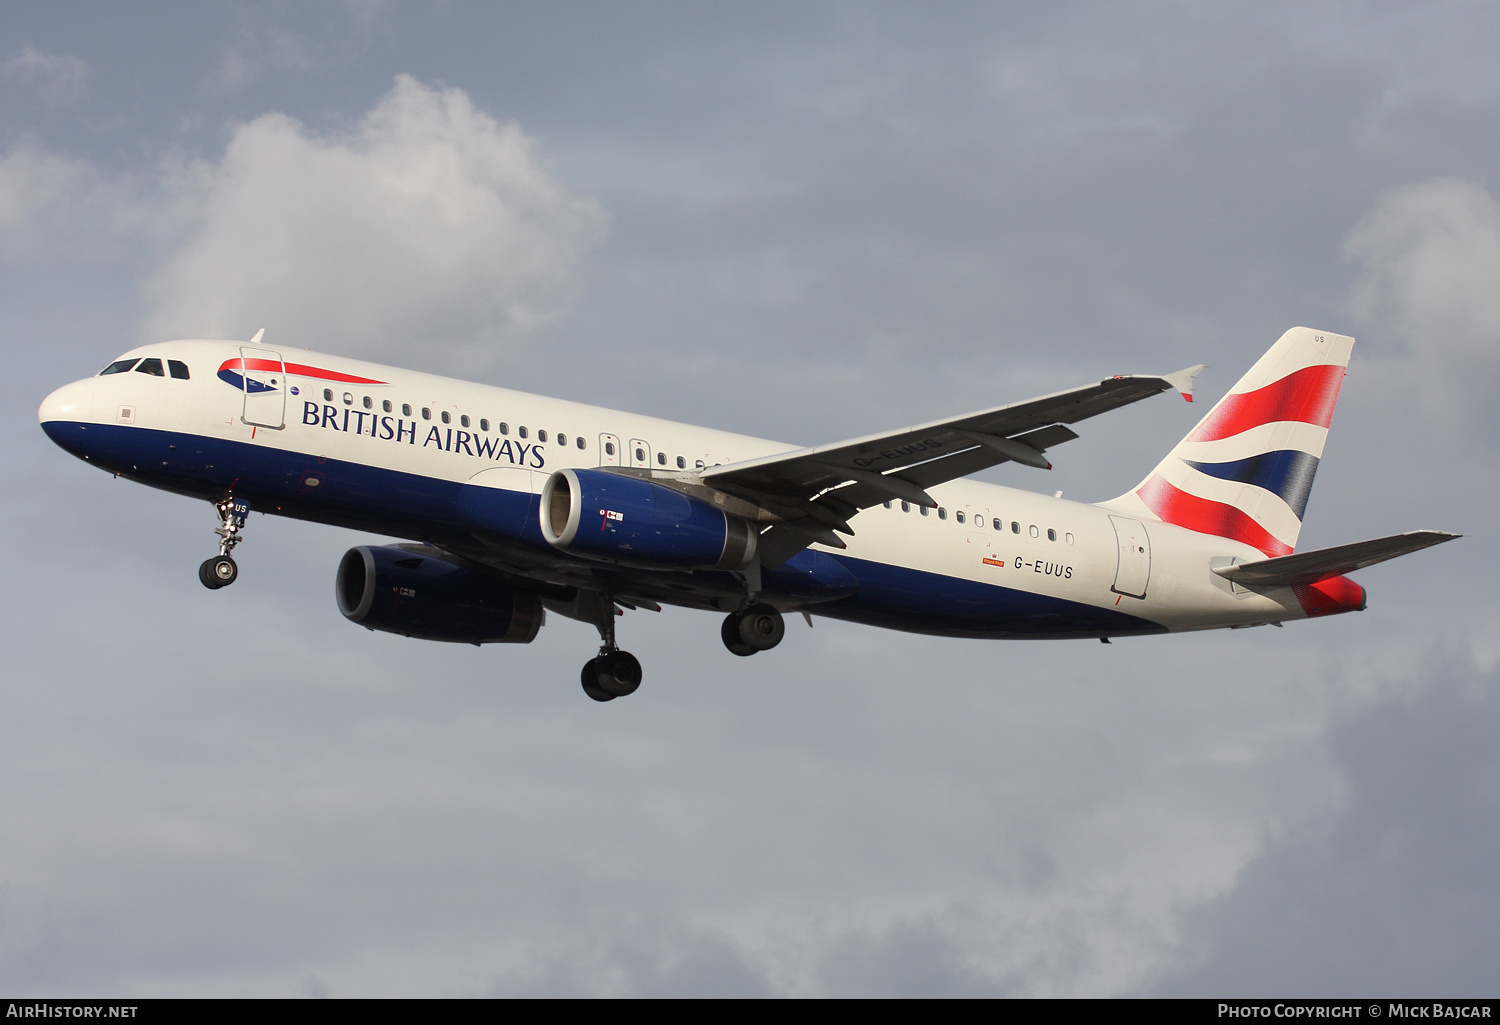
(1307, 396)
(1177, 507)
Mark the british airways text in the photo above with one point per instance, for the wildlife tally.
(446, 439)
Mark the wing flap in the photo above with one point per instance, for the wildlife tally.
(814, 491)
(801, 472)
(1311, 567)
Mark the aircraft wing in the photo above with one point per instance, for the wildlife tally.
(814, 491)
(1310, 567)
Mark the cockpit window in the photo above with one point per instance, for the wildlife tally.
(119, 366)
(151, 366)
(178, 368)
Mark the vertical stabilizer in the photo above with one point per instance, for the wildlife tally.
(1246, 470)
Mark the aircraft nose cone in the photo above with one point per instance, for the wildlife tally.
(70, 402)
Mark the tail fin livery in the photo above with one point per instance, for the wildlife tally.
(1245, 471)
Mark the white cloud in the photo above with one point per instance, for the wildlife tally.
(1430, 258)
(32, 180)
(56, 78)
(430, 228)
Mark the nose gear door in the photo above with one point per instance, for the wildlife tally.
(265, 387)
(1135, 557)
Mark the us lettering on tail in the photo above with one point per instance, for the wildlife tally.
(513, 505)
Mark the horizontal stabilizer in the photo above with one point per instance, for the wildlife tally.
(1310, 567)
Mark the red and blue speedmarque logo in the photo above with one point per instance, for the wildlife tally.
(233, 373)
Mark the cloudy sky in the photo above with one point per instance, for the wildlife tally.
(803, 221)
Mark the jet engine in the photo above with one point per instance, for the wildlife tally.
(634, 522)
(417, 591)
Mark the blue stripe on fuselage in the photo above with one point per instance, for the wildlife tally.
(407, 505)
(919, 601)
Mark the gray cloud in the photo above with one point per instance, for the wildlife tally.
(823, 220)
(56, 78)
(1429, 256)
(1395, 894)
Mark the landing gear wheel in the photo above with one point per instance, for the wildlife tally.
(619, 673)
(730, 634)
(220, 571)
(590, 679)
(761, 627)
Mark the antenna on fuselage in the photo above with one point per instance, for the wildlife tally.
(258, 336)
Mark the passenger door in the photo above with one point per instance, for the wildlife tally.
(1134, 570)
(264, 376)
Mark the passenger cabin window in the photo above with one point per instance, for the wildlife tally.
(151, 366)
(426, 413)
(119, 366)
(541, 435)
(959, 516)
(327, 394)
(609, 448)
(681, 463)
(504, 427)
(369, 403)
(906, 507)
(1051, 534)
(406, 409)
(886, 503)
(521, 431)
(579, 442)
(562, 439)
(942, 513)
(446, 418)
(1033, 530)
(463, 421)
(348, 398)
(484, 425)
(640, 455)
(386, 405)
(1068, 538)
(178, 369)
(924, 510)
(998, 524)
(1015, 528)
(661, 459)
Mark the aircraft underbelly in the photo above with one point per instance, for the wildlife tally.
(500, 526)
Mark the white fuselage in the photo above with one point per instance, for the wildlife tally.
(438, 433)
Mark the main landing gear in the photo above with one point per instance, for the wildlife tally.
(221, 571)
(612, 673)
(757, 628)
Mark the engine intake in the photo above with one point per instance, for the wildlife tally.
(634, 522)
(416, 591)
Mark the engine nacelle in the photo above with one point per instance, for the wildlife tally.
(634, 522)
(416, 591)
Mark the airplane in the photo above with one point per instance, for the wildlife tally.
(510, 505)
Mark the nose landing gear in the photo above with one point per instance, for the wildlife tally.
(221, 571)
